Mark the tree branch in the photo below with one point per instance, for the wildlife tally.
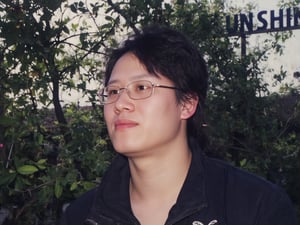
(119, 11)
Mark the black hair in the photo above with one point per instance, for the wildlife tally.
(165, 51)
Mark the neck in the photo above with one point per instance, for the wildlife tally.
(152, 176)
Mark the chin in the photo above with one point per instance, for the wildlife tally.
(124, 149)
(128, 152)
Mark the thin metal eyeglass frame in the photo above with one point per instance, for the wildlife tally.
(120, 90)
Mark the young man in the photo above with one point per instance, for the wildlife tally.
(155, 87)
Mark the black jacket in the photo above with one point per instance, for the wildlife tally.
(213, 193)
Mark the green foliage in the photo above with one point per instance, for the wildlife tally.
(43, 172)
(51, 153)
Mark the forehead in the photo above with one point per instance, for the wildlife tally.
(128, 68)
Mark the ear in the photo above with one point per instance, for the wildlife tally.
(189, 106)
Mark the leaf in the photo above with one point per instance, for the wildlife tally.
(73, 8)
(7, 178)
(88, 185)
(42, 161)
(27, 169)
(41, 164)
(66, 30)
(58, 189)
(73, 186)
(6, 121)
(243, 162)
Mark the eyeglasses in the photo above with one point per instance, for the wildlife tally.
(135, 90)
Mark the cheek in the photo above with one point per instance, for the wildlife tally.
(163, 111)
(108, 114)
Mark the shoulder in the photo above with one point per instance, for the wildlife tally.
(77, 211)
(237, 177)
(248, 196)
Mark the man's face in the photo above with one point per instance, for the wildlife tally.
(141, 127)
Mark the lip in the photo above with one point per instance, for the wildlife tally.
(124, 124)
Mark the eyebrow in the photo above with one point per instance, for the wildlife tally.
(133, 78)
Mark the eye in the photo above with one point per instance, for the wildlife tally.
(142, 86)
(111, 91)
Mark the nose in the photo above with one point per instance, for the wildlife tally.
(124, 102)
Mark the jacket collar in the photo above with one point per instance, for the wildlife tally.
(192, 196)
(112, 197)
